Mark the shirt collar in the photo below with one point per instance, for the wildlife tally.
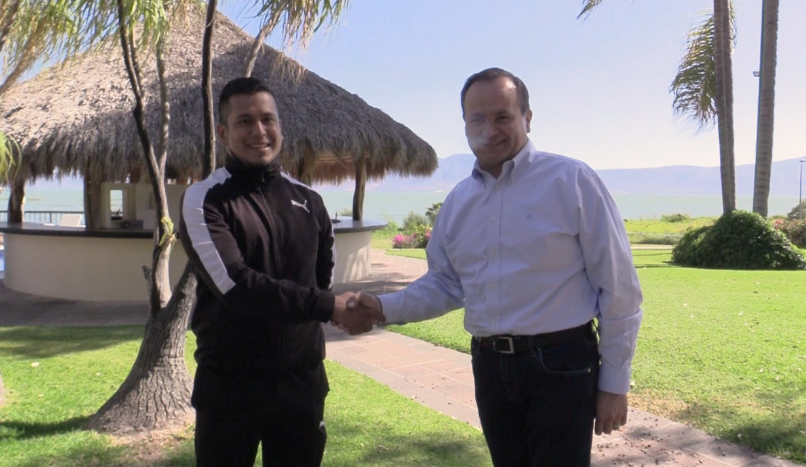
(511, 168)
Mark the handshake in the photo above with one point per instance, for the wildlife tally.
(357, 313)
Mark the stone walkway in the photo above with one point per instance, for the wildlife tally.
(436, 377)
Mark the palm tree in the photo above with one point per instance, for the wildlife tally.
(703, 86)
(700, 95)
(159, 371)
(723, 76)
(766, 106)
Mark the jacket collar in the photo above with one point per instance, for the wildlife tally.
(251, 176)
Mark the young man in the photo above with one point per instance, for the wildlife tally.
(533, 247)
(262, 246)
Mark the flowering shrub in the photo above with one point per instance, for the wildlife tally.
(417, 239)
(795, 230)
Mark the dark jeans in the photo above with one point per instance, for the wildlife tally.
(235, 412)
(537, 406)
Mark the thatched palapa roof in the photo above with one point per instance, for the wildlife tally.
(77, 117)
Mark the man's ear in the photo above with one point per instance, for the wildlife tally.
(221, 130)
(528, 118)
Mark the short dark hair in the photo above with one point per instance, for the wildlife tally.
(250, 86)
(492, 74)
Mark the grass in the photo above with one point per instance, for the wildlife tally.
(55, 378)
(723, 351)
(664, 231)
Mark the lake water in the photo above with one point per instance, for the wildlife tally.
(396, 205)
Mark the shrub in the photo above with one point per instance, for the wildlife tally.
(677, 217)
(795, 230)
(432, 212)
(638, 238)
(417, 239)
(413, 220)
(390, 229)
(798, 212)
(737, 240)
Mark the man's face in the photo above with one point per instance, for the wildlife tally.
(494, 125)
(252, 130)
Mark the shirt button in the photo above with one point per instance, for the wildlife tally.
(492, 287)
(493, 218)
(492, 252)
(498, 187)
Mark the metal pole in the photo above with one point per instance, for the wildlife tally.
(800, 190)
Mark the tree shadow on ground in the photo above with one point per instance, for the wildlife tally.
(21, 431)
(776, 425)
(42, 342)
(425, 448)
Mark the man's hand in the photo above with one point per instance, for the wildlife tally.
(357, 313)
(611, 412)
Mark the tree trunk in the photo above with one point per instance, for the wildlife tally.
(724, 102)
(360, 188)
(16, 199)
(267, 27)
(766, 106)
(208, 164)
(156, 394)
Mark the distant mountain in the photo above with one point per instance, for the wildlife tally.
(692, 180)
(671, 180)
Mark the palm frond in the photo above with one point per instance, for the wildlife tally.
(587, 8)
(694, 85)
(9, 152)
(300, 18)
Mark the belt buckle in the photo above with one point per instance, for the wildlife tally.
(511, 349)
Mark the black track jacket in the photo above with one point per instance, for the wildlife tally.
(262, 246)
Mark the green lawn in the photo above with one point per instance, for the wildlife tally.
(720, 350)
(55, 378)
(642, 231)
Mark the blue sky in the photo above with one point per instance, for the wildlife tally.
(599, 88)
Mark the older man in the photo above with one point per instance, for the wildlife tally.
(533, 246)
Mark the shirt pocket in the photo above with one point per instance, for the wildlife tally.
(540, 242)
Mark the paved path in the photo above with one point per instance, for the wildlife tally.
(436, 377)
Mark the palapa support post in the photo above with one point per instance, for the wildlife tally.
(17, 199)
(93, 217)
(306, 166)
(360, 187)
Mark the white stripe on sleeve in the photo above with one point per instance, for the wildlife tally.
(193, 212)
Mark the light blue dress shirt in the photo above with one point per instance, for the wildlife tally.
(540, 249)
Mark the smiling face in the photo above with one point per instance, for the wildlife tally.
(495, 126)
(251, 129)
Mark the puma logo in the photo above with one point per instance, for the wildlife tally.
(301, 205)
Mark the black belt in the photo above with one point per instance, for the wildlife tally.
(515, 344)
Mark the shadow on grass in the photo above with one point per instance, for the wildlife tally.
(777, 432)
(41, 342)
(427, 448)
(656, 265)
(420, 450)
(20, 430)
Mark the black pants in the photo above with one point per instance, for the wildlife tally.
(235, 412)
(537, 406)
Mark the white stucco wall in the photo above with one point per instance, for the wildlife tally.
(82, 268)
(352, 256)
